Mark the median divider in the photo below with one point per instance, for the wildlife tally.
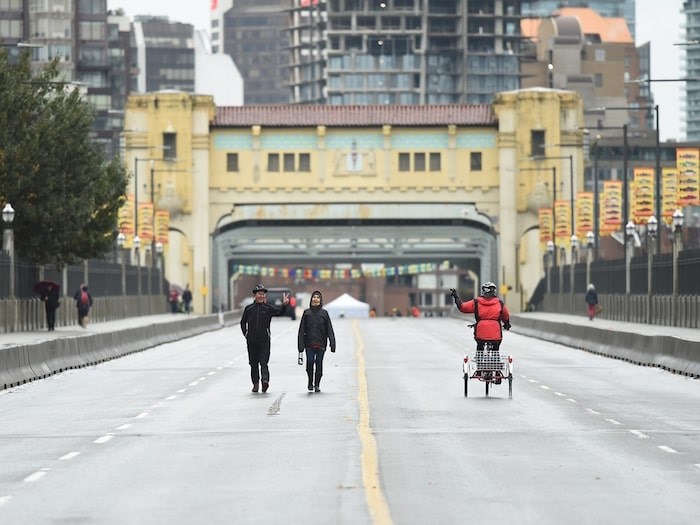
(670, 353)
(23, 363)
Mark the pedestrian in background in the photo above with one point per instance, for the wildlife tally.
(51, 303)
(83, 302)
(255, 325)
(187, 298)
(315, 331)
(591, 301)
(174, 300)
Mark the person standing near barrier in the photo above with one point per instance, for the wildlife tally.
(83, 302)
(51, 303)
(187, 299)
(315, 331)
(255, 325)
(591, 301)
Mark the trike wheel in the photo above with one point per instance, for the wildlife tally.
(466, 384)
(510, 386)
(487, 388)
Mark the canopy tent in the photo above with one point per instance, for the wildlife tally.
(348, 307)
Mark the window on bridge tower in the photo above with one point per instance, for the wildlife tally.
(435, 164)
(404, 162)
(475, 161)
(419, 161)
(232, 162)
(273, 162)
(304, 162)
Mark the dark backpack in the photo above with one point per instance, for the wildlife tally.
(84, 298)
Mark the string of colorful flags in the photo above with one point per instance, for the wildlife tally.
(338, 273)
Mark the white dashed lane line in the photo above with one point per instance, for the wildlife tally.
(639, 434)
(668, 449)
(141, 415)
(4, 499)
(36, 476)
(104, 439)
(613, 421)
(68, 456)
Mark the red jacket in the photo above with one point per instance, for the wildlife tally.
(491, 311)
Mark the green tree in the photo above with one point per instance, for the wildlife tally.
(65, 193)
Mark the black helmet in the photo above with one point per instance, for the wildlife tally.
(488, 289)
(259, 288)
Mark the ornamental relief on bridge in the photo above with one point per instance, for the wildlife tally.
(354, 162)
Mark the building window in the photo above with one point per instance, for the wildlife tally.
(537, 143)
(289, 164)
(404, 162)
(232, 162)
(273, 162)
(598, 79)
(304, 162)
(435, 163)
(475, 161)
(419, 161)
(169, 146)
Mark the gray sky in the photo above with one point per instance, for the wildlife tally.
(657, 21)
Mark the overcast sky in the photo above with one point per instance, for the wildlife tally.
(657, 21)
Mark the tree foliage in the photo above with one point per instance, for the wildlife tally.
(65, 193)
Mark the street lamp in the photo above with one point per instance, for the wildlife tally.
(121, 240)
(159, 252)
(574, 257)
(137, 247)
(677, 230)
(149, 266)
(629, 236)
(652, 228)
(560, 268)
(550, 259)
(590, 246)
(571, 182)
(8, 215)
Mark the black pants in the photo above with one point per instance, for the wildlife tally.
(258, 357)
(50, 317)
(314, 357)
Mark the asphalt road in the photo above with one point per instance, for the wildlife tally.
(174, 435)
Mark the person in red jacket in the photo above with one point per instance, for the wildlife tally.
(489, 311)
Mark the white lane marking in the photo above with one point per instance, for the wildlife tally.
(545, 387)
(219, 367)
(124, 426)
(182, 391)
(592, 411)
(571, 400)
(156, 405)
(4, 499)
(193, 383)
(668, 449)
(612, 421)
(211, 373)
(36, 476)
(533, 380)
(141, 415)
(170, 398)
(201, 379)
(697, 465)
(639, 434)
(559, 394)
(68, 456)
(104, 439)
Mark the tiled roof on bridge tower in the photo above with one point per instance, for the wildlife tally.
(342, 116)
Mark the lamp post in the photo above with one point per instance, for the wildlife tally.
(8, 215)
(571, 182)
(652, 227)
(560, 268)
(159, 252)
(629, 236)
(137, 247)
(550, 259)
(149, 266)
(572, 266)
(590, 246)
(677, 231)
(121, 239)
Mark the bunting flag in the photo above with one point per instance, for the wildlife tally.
(145, 232)
(562, 234)
(584, 214)
(688, 164)
(327, 274)
(642, 198)
(162, 226)
(669, 194)
(126, 220)
(611, 207)
(545, 221)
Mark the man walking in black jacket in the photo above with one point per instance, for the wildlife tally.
(255, 325)
(315, 329)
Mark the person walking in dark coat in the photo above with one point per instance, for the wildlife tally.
(83, 302)
(187, 299)
(591, 301)
(51, 302)
(255, 325)
(315, 330)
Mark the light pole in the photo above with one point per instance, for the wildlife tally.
(8, 215)
(590, 246)
(560, 268)
(629, 239)
(159, 252)
(550, 259)
(677, 231)
(571, 182)
(652, 227)
(137, 247)
(121, 239)
(572, 266)
(149, 266)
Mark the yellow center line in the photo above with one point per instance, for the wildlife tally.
(378, 508)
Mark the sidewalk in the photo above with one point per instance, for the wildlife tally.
(688, 334)
(13, 339)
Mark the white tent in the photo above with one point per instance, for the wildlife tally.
(348, 307)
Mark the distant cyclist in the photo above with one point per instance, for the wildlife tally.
(489, 312)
